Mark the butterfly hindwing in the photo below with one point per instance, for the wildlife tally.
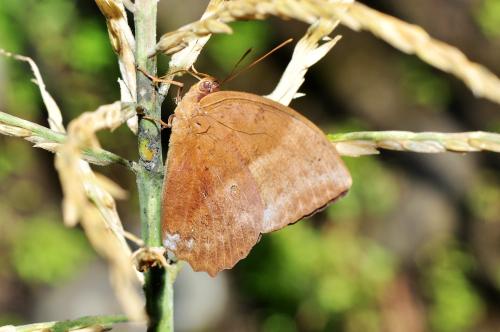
(212, 208)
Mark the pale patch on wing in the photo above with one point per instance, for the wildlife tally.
(269, 216)
(171, 240)
(190, 244)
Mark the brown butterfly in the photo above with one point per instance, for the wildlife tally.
(240, 165)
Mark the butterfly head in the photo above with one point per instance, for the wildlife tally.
(206, 86)
(187, 106)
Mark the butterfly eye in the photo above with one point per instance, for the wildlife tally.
(206, 86)
(209, 86)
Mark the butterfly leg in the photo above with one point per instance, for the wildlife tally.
(161, 79)
(146, 258)
(163, 124)
(170, 120)
(178, 97)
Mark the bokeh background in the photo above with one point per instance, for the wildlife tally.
(415, 246)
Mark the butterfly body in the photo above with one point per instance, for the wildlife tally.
(240, 165)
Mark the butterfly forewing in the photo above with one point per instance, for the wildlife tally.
(296, 169)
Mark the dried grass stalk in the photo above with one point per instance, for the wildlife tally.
(50, 140)
(84, 199)
(308, 11)
(412, 39)
(369, 142)
(187, 55)
(123, 43)
(54, 113)
(404, 36)
(307, 52)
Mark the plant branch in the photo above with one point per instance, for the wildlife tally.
(368, 142)
(50, 140)
(158, 285)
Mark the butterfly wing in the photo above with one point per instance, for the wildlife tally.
(242, 165)
(211, 205)
(297, 170)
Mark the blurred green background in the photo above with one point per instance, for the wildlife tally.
(414, 247)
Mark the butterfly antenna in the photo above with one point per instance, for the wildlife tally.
(247, 52)
(235, 74)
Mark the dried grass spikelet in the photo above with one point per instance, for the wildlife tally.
(54, 113)
(84, 198)
(187, 46)
(29, 135)
(14, 131)
(304, 10)
(307, 52)
(50, 140)
(31, 131)
(366, 143)
(123, 43)
(86, 201)
(404, 36)
(111, 187)
(413, 39)
(188, 53)
(356, 148)
(187, 57)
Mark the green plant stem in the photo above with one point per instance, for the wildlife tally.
(103, 321)
(36, 132)
(158, 286)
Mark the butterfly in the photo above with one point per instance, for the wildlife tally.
(238, 166)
